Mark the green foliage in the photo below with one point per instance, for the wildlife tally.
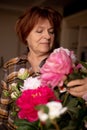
(76, 115)
(75, 118)
(83, 63)
(42, 107)
(25, 125)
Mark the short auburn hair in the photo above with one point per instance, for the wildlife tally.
(30, 18)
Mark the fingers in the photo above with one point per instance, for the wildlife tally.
(80, 94)
(76, 82)
(77, 91)
(77, 87)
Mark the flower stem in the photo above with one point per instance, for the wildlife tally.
(66, 97)
(55, 124)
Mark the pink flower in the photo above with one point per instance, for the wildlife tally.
(31, 98)
(85, 97)
(79, 66)
(59, 64)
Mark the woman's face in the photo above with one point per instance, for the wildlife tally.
(40, 40)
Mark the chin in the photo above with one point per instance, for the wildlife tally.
(45, 52)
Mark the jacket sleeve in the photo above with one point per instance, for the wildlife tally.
(10, 70)
(4, 101)
(9, 76)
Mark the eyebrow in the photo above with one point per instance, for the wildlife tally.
(41, 26)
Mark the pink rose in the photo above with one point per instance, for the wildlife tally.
(31, 98)
(56, 67)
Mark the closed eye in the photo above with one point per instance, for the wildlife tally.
(51, 31)
(39, 31)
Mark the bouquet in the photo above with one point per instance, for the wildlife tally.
(42, 102)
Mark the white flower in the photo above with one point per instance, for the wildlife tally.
(42, 116)
(31, 83)
(55, 110)
(13, 86)
(23, 73)
(14, 95)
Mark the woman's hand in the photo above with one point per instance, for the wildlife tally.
(78, 87)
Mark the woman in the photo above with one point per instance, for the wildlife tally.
(38, 29)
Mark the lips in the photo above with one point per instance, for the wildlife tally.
(45, 43)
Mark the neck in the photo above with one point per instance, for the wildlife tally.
(35, 60)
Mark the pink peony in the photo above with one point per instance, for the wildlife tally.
(59, 64)
(31, 98)
(85, 97)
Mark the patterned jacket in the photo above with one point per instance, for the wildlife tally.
(10, 69)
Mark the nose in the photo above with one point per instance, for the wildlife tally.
(47, 35)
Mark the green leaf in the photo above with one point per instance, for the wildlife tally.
(73, 102)
(25, 125)
(84, 64)
(42, 107)
(25, 128)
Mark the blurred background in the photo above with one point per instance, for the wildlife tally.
(73, 29)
